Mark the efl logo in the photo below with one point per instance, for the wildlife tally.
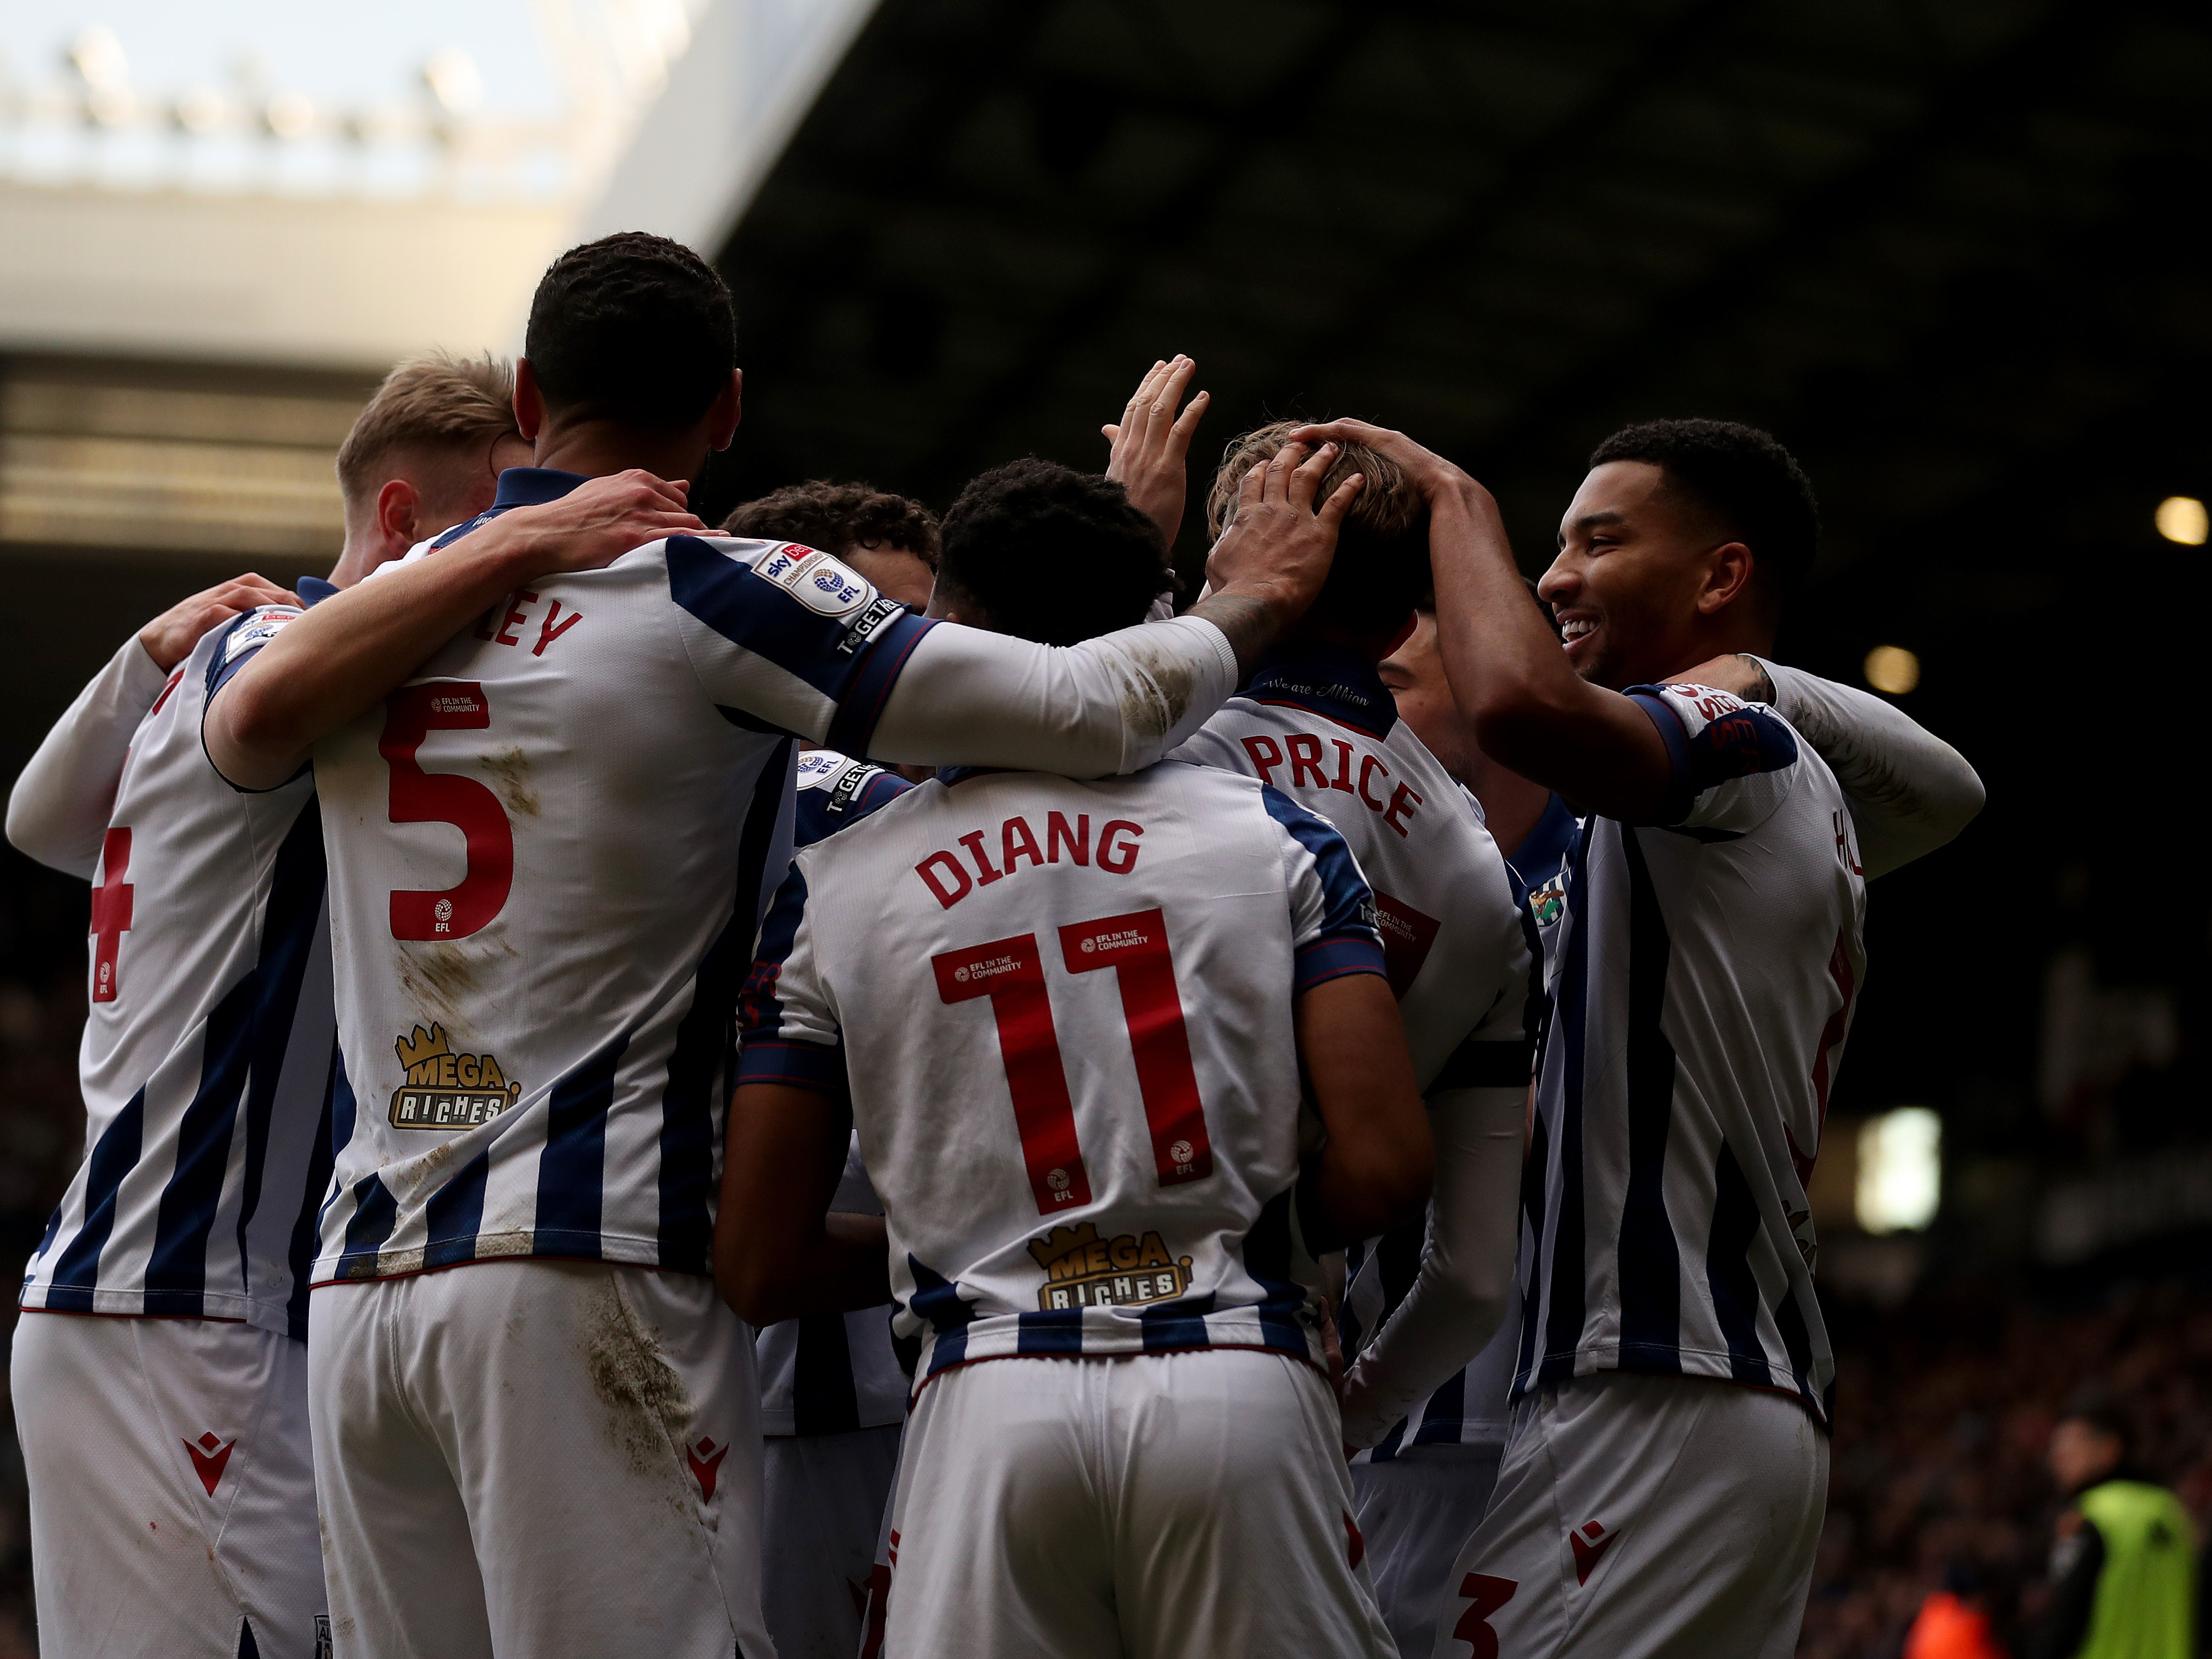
(824, 585)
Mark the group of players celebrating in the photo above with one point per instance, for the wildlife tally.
(1089, 1199)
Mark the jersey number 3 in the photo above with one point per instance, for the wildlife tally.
(418, 797)
(1010, 973)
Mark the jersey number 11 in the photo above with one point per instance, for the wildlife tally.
(1010, 973)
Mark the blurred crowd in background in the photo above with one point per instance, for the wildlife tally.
(1944, 1412)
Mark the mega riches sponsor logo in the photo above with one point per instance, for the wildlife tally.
(1083, 1270)
(447, 1090)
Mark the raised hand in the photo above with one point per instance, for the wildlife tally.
(591, 527)
(1152, 440)
(1271, 561)
(170, 637)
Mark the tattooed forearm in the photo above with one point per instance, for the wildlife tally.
(1249, 625)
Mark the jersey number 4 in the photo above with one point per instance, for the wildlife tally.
(418, 797)
(1009, 972)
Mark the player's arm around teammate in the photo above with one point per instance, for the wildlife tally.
(350, 652)
(1108, 705)
(159, 1372)
(1910, 791)
(58, 810)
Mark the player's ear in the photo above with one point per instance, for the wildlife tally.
(1728, 574)
(727, 410)
(398, 505)
(529, 401)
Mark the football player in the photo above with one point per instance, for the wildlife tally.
(833, 1395)
(1072, 1019)
(1424, 1487)
(556, 762)
(890, 540)
(1664, 1486)
(173, 1504)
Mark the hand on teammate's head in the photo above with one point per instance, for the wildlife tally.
(598, 521)
(1150, 445)
(1278, 547)
(170, 637)
(1428, 471)
(1382, 564)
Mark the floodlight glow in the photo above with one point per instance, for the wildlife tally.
(98, 57)
(290, 115)
(1900, 1171)
(452, 77)
(1893, 669)
(201, 110)
(2182, 519)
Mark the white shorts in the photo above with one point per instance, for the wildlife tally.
(824, 1498)
(173, 1493)
(560, 1459)
(1157, 1506)
(1643, 1518)
(1417, 1511)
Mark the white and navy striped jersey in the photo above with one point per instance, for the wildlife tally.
(1064, 1012)
(1708, 968)
(831, 1372)
(835, 790)
(1316, 721)
(1474, 1407)
(208, 1051)
(549, 848)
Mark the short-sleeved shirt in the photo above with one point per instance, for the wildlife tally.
(1065, 1012)
(1708, 966)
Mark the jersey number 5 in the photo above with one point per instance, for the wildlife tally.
(1010, 973)
(419, 797)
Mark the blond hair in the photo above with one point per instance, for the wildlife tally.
(435, 406)
(1386, 507)
(1381, 563)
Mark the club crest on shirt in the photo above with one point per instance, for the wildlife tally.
(1546, 902)
(824, 584)
(1083, 1270)
(447, 1090)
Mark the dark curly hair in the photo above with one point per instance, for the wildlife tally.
(1050, 554)
(1742, 476)
(1382, 564)
(633, 329)
(837, 517)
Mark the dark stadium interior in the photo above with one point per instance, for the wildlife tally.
(1954, 256)
(1957, 257)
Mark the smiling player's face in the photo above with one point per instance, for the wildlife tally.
(1633, 559)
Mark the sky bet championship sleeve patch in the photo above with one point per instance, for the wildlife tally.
(824, 585)
(256, 628)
